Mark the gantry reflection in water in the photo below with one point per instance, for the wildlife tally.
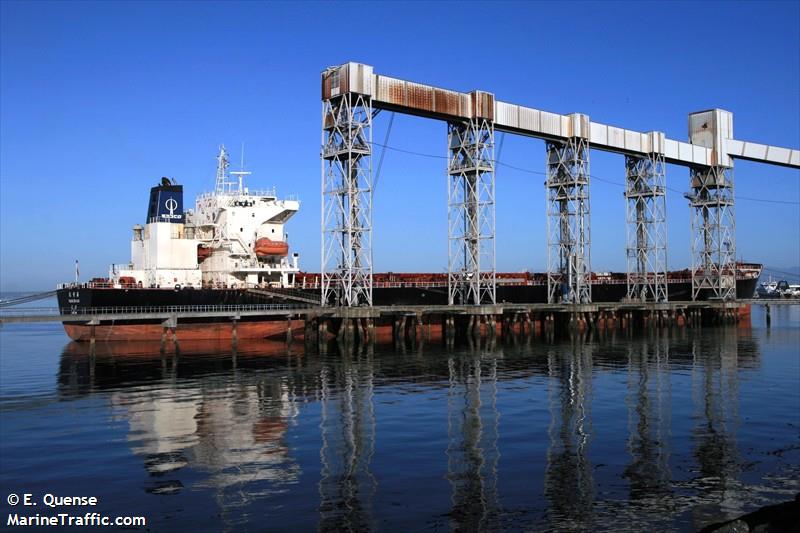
(240, 425)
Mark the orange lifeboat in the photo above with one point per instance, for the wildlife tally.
(266, 247)
(202, 253)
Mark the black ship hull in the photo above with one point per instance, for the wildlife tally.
(85, 297)
(80, 299)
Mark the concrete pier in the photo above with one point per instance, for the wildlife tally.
(413, 322)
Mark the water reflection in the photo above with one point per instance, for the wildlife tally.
(232, 416)
(197, 412)
(347, 427)
(569, 483)
(649, 406)
(472, 434)
(715, 395)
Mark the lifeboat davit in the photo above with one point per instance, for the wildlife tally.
(266, 247)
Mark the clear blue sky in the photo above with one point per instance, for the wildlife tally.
(99, 100)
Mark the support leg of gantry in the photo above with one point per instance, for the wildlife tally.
(451, 331)
(711, 202)
(308, 329)
(359, 330)
(411, 330)
(341, 330)
(646, 216)
(403, 328)
(714, 233)
(322, 335)
(92, 337)
(568, 243)
(169, 328)
(164, 331)
(346, 198)
(471, 207)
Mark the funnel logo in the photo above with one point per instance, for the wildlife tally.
(171, 204)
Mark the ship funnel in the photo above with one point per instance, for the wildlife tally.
(166, 203)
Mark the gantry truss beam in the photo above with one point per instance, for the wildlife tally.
(433, 102)
(568, 260)
(347, 200)
(646, 217)
(471, 215)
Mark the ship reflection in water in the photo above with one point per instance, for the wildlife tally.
(615, 431)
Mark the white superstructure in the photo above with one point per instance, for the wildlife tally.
(163, 254)
(233, 238)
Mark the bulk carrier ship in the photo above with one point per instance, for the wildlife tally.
(232, 249)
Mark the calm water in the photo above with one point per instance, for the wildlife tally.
(672, 431)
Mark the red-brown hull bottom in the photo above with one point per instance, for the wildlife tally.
(151, 332)
(277, 330)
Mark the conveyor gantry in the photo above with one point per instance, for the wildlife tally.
(350, 94)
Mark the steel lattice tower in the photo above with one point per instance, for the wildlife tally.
(347, 200)
(568, 260)
(713, 232)
(471, 212)
(646, 216)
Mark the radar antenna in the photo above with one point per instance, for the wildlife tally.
(241, 172)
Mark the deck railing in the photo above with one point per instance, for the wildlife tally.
(191, 309)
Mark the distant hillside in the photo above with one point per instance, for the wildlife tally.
(787, 273)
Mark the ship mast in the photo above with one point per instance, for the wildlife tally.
(223, 185)
(241, 172)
